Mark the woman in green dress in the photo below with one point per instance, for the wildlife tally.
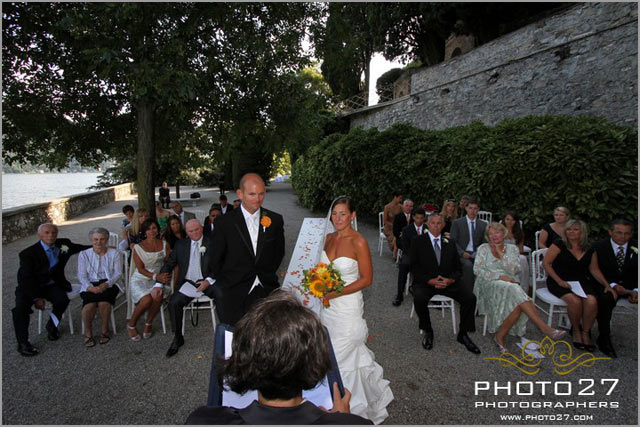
(499, 296)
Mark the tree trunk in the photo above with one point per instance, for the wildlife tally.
(146, 156)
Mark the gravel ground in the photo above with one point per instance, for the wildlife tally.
(127, 382)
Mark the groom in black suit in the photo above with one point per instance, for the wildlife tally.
(192, 258)
(248, 247)
(436, 269)
(618, 263)
(41, 277)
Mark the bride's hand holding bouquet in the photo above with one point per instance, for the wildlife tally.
(322, 281)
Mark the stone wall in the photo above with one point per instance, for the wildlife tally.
(24, 220)
(583, 60)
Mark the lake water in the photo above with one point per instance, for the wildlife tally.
(23, 189)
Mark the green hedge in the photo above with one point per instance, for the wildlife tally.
(530, 164)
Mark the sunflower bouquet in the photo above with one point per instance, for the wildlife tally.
(319, 281)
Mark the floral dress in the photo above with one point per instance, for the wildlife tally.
(497, 298)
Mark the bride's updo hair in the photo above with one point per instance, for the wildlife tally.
(344, 200)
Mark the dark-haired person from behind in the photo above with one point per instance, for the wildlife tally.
(617, 258)
(279, 348)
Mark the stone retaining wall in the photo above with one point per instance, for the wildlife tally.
(24, 220)
(583, 60)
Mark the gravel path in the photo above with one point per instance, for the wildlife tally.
(127, 382)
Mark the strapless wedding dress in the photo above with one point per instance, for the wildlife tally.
(370, 393)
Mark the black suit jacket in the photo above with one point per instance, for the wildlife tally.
(408, 234)
(609, 266)
(206, 228)
(424, 264)
(180, 256)
(233, 263)
(399, 223)
(34, 272)
(305, 414)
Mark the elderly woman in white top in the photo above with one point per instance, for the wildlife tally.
(99, 270)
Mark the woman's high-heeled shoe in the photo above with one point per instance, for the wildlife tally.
(589, 347)
(136, 337)
(502, 349)
(577, 344)
(147, 335)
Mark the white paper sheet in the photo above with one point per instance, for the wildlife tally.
(189, 290)
(576, 288)
(320, 395)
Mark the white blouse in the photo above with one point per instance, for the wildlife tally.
(92, 267)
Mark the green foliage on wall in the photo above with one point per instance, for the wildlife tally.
(530, 164)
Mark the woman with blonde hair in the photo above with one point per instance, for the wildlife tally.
(570, 258)
(449, 214)
(553, 231)
(499, 296)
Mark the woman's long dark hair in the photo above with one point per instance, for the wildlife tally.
(518, 234)
(168, 235)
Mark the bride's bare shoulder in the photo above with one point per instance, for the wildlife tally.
(359, 240)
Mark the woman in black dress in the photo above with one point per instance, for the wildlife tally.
(570, 259)
(551, 232)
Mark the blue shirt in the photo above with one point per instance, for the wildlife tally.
(51, 255)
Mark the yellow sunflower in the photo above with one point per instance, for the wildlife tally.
(317, 288)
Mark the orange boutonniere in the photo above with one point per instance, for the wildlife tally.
(265, 222)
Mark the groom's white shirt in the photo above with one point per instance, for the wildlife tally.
(253, 222)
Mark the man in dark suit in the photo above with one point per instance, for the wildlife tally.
(436, 270)
(461, 230)
(182, 214)
(618, 261)
(407, 235)
(401, 220)
(192, 258)
(248, 247)
(209, 221)
(41, 277)
(224, 205)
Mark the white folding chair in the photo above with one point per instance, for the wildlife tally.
(114, 240)
(75, 293)
(398, 256)
(537, 238)
(443, 303)
(200, 303)
(485, 216)
(381, 236)
(200, 215)
(556, 305)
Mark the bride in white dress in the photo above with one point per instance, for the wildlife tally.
(349, 252)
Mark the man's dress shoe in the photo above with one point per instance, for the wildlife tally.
(396, 302)
(26, 349)
(175, 345)
(52, 332)
(464, 339)
(605, 346)
(427, 340)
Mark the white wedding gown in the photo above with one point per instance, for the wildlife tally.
(370, 393)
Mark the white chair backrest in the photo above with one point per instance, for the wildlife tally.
(485, 216)
(114, 239)
(200, 215)
(537, 238)
(380, 222)
(538, 273)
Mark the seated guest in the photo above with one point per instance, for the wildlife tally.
(499, 296)
(128, 212)
(41, 277)
(461, 229)
(164, 197)
(553, 231)
(401, 220)
(174, 231)
(236, 203)
(436, 270)
(407, 235)
(148, 257)
(132, 233)
(191, 256)
(224, 206)
(462, 208)
(515, 236)
(210, 221)
(99, 270)
(617, 258)
(571, 259)
(449, 214)
(390, 211)
(279, 348)
(182, 214)
(162, 215)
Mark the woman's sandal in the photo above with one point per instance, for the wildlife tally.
(104, 338)
(89, 342)
(146, 335)
(556, 334)
(136, 337)
(577, 344)
(589, 347)
(503, 350)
